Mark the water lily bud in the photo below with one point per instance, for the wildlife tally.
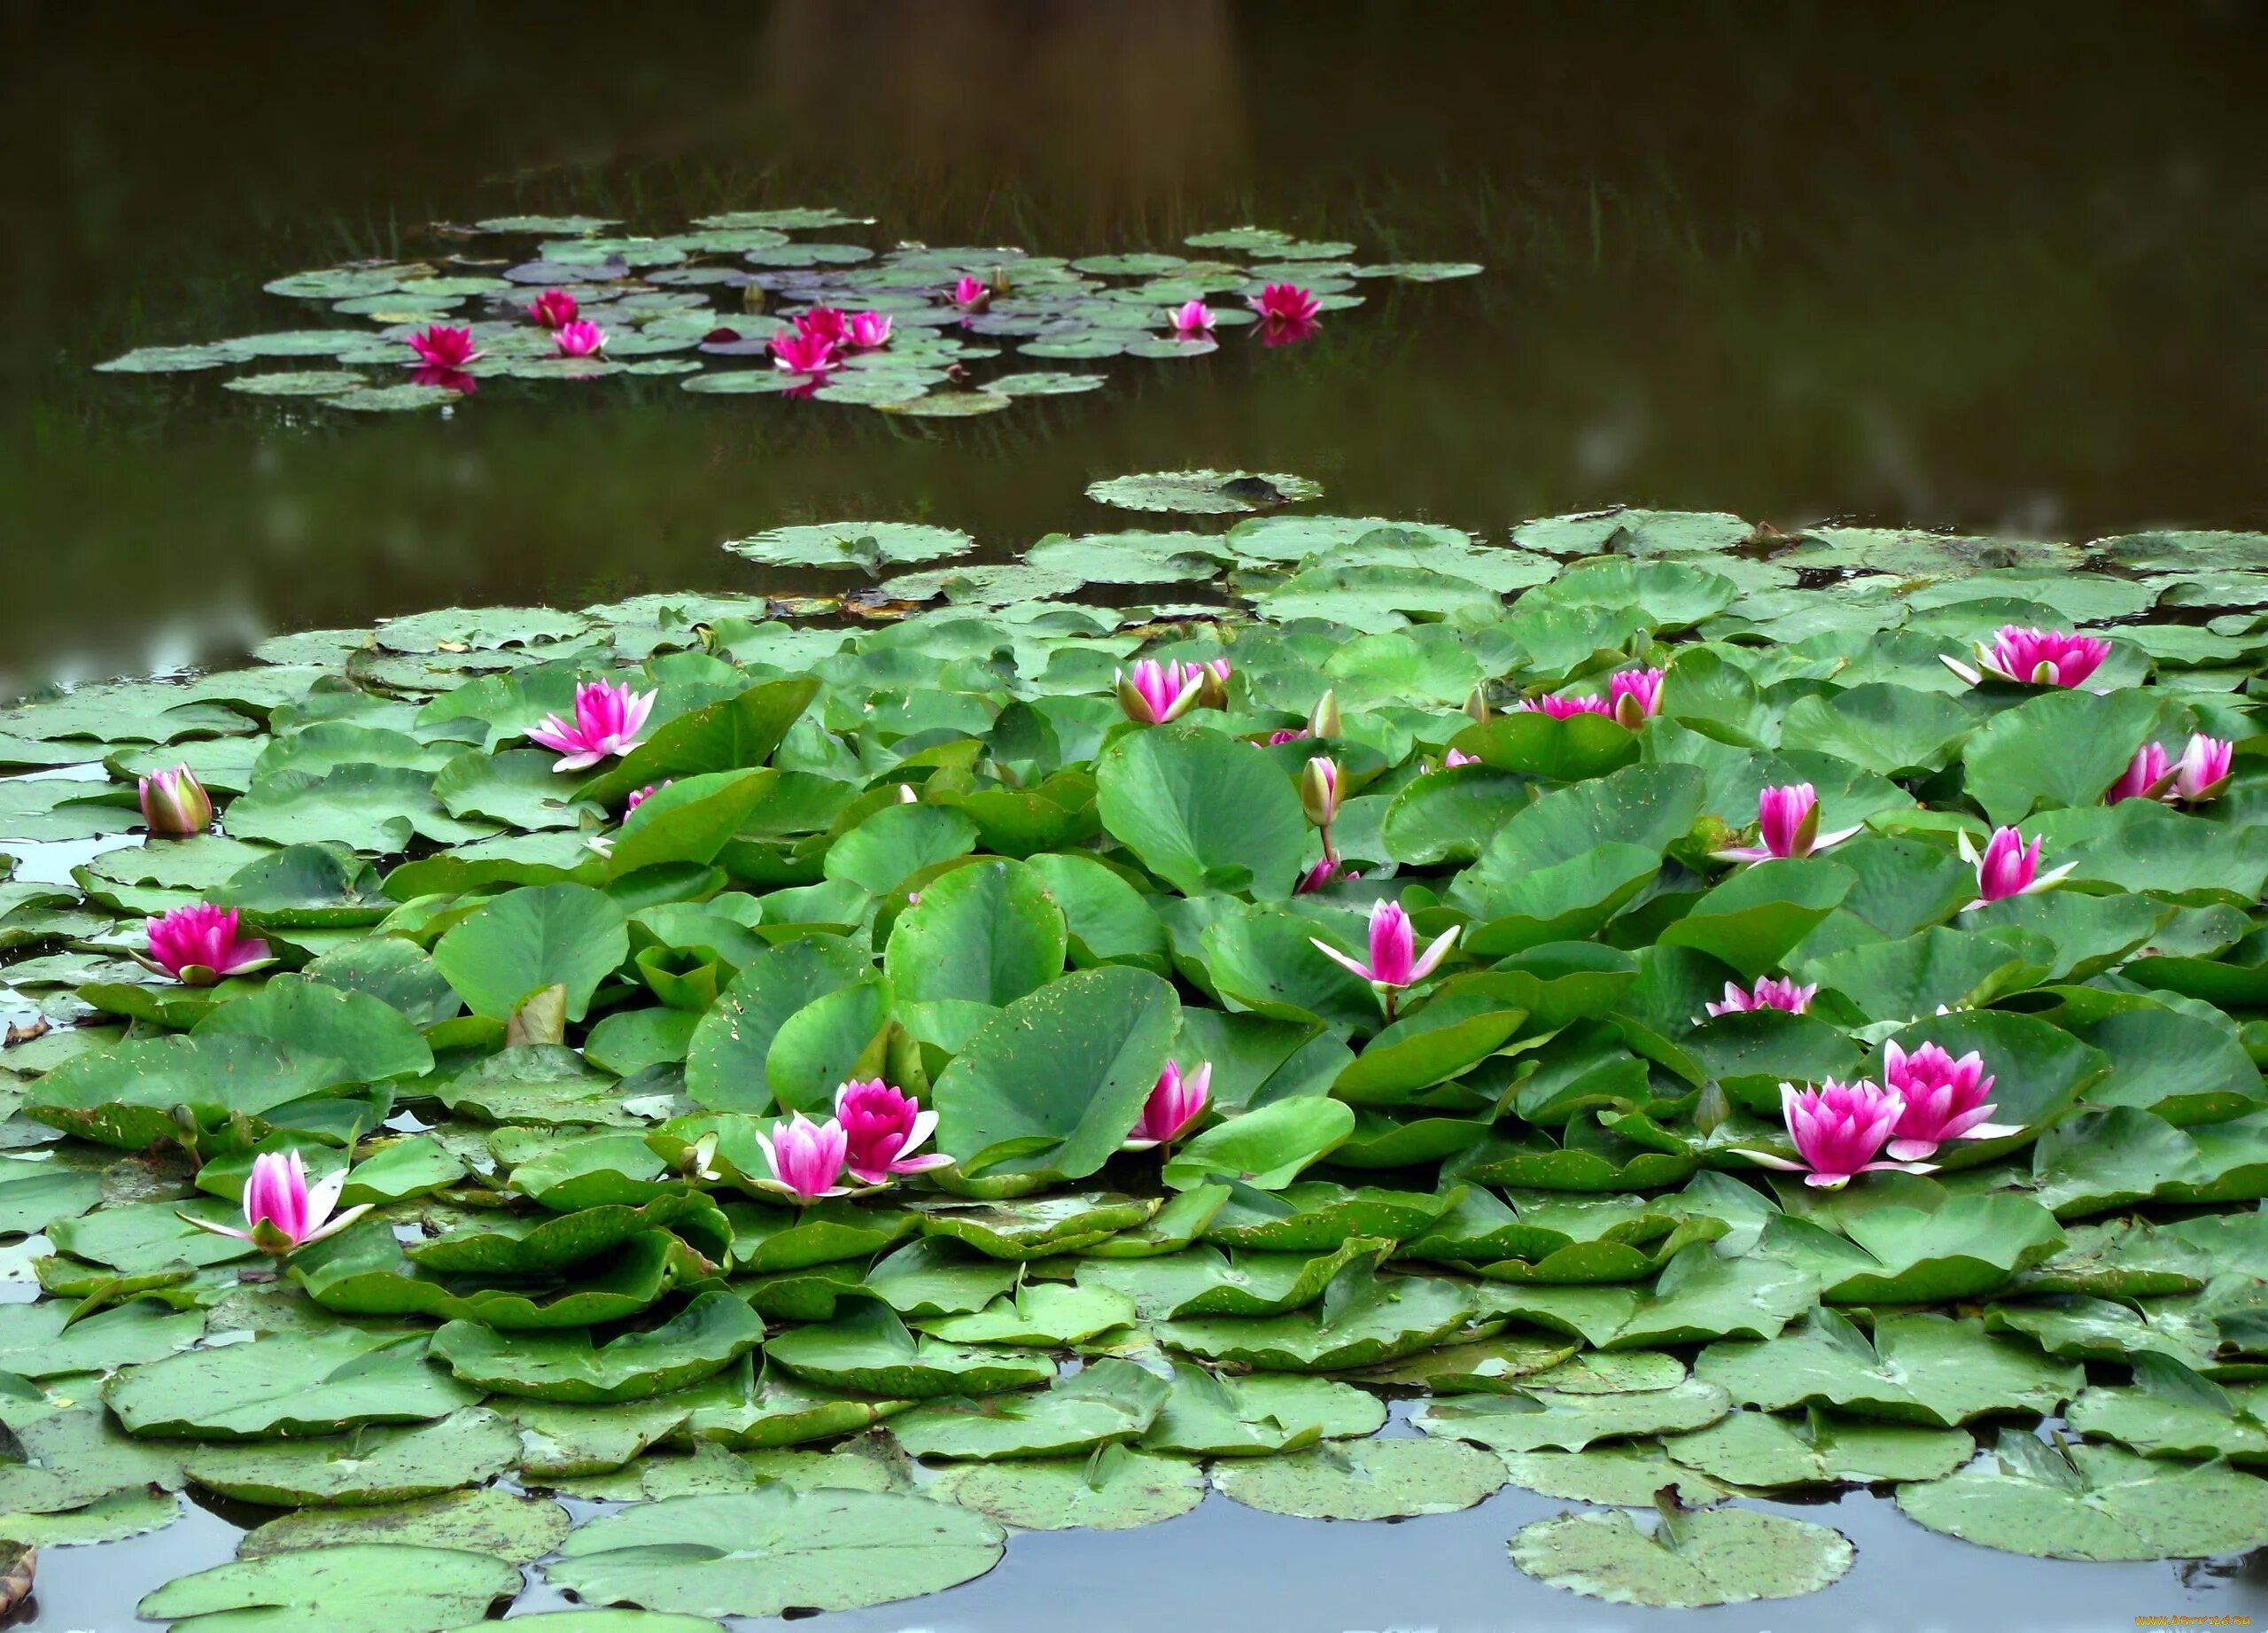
(1325, 721)
(174, 804)
(1476, 705)
(1319, 790)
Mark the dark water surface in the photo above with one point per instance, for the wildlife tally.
(1997, 267)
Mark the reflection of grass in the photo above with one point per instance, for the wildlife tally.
(1785, 270)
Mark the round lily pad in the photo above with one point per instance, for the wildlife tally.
(763, 1553)
(1203, 493)
(1114, 1492)
(1364, 1480)
(1718, 1556)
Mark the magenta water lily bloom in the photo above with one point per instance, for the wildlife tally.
(1328, 871)
(1458, 757)
(1212, 682)
(1837, 1129)
(1635, 696)
(2009, 867)
(1564, 707)
(867, 331)
(1177, 1100)
(827, 324)
(174, 804)
(555, 308)
(1787, 825)
(200, 944)
(1151, 693)
(1192, 320)
(2147, 776)
(806, 1159)
(2203, 770)
(1943, 1099)
(796, 351)
(609, 716)
(972, 294)
(1394, 962)
(2034, 657)
(580, 338)
(281, 1210)
(1768, 993)
(1287, 304)
(444, 346)
(882, 1129)
(639, 797)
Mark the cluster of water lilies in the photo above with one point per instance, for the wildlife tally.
(441, 353)
(1925, 1098)
(824, 338)
(1838, 1130)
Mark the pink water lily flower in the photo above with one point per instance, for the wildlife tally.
(826, 323)
(795, 352)
(1328, 871)
(1150, 694)
(867, 330)
(1212, 678)
(1192, 320)
(555, 308)
(2034, 657)
(1769, 993)
(1635, 696)
(1287, 734)
(1287, 304)
(1393, 961)
(444, 346)
(639, 797)
(580, 338)
(174, 802)
(199, 944)
(2147, 777)
(1836, 1128)
(972, 294)
(281, 1212)
(2009, 867)
(1458, 757)
(1564, 707)
(1176, 1103)
(806, 1159)
(882, 1128)
(1944, 1098)
(1787, 825)
(607, 718)
(2204, 769)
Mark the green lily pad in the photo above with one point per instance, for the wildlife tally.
(1364, 1480)
(517, 1529)
(1202, 493)
(761, 1553)
(701, 1340)
(286, 1385)
(377, 1465)
(355, 1588)
(2093, 1503)
(1115, 1491)
(868, 1347)
(1718, 1556)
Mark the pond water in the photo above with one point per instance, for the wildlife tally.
(1994, 271)
(1970, 271)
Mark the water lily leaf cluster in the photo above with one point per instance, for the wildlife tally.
(1429, 970)
(946, 331)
